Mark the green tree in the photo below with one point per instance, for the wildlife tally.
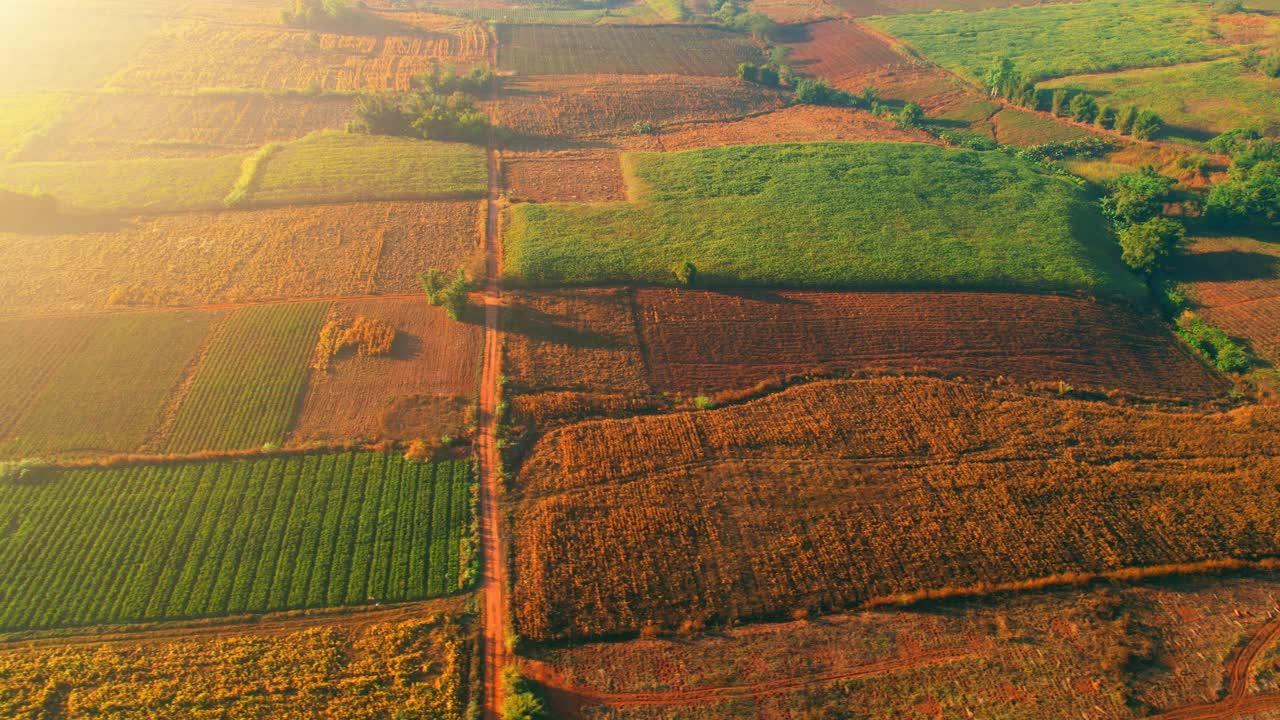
(1083, 108)
(1146, 125)
(432, 283)
(748, 72)
(454, 296)
(1144, 246)
(1106, 117)
(1138, 197)
(1251, 192)
(686, 273)
(911, 115)
(1058, 105)
(768, 77)
(1125, 118)
(1001, 78)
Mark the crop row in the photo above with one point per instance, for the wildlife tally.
(246, 390)
(249, 535)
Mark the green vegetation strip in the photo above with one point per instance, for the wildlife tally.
(155, 542)
(833, 215)
(246, 390)
(159, 185)
(1047, 41)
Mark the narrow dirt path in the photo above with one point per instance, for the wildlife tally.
(578, 696)
(493, 559)
(1237, 701)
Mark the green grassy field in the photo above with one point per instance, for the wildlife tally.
(1047, 41)
(831, 215)
(109, 394)
(337, 167)
(182, 540)
(31, 351)
(246, 390)
(1197, 101)
(157, 185)
(25, 114)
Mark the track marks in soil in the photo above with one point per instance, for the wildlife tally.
(1237, 702)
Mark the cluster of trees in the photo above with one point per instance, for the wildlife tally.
(1251, 192)
(320, 14)
(733, 16)
(1004, 80)
(427, 115)
(445, 80)
(1141, 123)
(767, 75)
(451, 295)
(1136, 205)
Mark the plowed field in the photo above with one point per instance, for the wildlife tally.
(838, 50)
(1235, 284)
(626, 50)
(706, 342)
(577, 176)
(838, 493)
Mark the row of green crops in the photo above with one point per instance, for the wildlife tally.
(195, 539)
(246, 390)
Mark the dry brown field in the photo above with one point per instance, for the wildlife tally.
(228, 257)
(840, 51)
(1098, 652)
(186, 56)
(602, 106)
(839, 493)
(622, 50)
(563, 176)
(792, 12)
(706, 342)
(1235, 284)
(111, 126)
(422, 389)
(798, 123)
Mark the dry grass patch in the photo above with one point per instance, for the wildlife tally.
(571, 175)
(798, 123)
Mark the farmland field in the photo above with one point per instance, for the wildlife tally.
(23, 116)
(143, 185)
(597, 106)
(320, 668)
(638, 50)
(838, 493)
(190, 55)
(838, 50)
(246, 390)
(1024, 129)
(700, 342)
(862, 8)
(796, 123)
(592, 176)
(229, 537)
(420, 390)
(340, 167)
(1046, 41)
(1197, 101)
(35, 37)
(31, 351)
(110, 394)
(212, 258)
(1234, 282)
(114, 126)
(902, 216)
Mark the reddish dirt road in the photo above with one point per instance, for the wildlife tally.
(493, 581)
(1237, 703)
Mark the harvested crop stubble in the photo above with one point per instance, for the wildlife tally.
(839, 50)
(1234, 283)
(420, 389)
(827, 215)
(245, 392)
(624, 50)
(111, 392)
(344, 669)
(798, 123)
(111, 126)
(570, 175)
(600, 106)
(191, 55)
(343, 167)
(838, 493)
(198, 539)
(706, 342)
(573, 340)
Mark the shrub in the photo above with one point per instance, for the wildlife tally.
(454, 296)
(322, 14)
(1138, 197)
(911, 115)
(748, 72)
(432, 283)
(445, 80)
(702, 402)
(519, 701)
(686, 273)
(1125, 118)
(1091, 147)
(1106, 118)
(1214, 344)
(644, 127)
(1058, 105)
(1083, 108)
(1146, 125)
(820, 92)
(430, 116)
(1145, 245)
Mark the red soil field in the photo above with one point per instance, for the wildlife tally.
(838, 50)
(798, 123)
(791, 12)
(1234, 283)
(564, 176)
(708, 342)
(420, 390)
(839, 493)
(601, 106)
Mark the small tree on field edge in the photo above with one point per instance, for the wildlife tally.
(454, 296)
(686, 273)
(1145, 245)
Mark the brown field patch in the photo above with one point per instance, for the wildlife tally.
(113, 126)
(420, 390)
(600, 106)
(1234, 282)
(838, 50)
(867, 8)
(224, 257)
(573, 340)
(838, 493)
(186, 56)
(566, 176)
(798, 123)
(623, 50)
(791, 12)
(1041, 656)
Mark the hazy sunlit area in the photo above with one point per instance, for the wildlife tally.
(640, 359)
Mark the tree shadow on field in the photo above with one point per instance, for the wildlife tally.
(771, 297)
(538, 325)
(1226, 266)
(405, 346)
